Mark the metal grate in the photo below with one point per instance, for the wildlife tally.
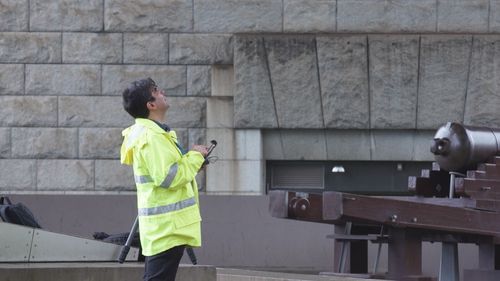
(300, 177)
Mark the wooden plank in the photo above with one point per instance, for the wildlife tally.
(467, 185)
(399, 213)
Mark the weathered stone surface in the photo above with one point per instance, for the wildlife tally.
(348, 144)
(171, 78)
(93, 112)
(392, 145)
(146, 48)
(234, 16)
(28, 111)
(386, 16)
(494, 18)
(47, 15)
(182, 137)
(220, 177)
(5, 142)
(463, 16)
(187, 112)
(253, 97)
(248, 144)
(12, 179)
(483, 95)
(298, 101)
(11, 79)
(225, 142)
(44, 143)
(309, 16)
(149, 15)
(110, 175)
(99, 142)
(249, 177)
(14, 15)
(199, 80)
(421, 147)
(304, 144)
(78, 175)
(223, 80)
(220, 112)
(444, 63)
(197, 136)
(393, 81)
(294, 145)
(201, 49)
(92, 47)
(20, 47)
(344, 81)
(61, 79)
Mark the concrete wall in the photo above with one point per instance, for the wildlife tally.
(347, 69)
(360, 79)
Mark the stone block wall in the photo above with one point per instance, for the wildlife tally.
(343, 73)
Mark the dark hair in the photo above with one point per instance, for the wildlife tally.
(136, 97)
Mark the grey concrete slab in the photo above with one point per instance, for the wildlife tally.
(145, 48)
(28, 111)
(99, 143)
(295, 82)
(453, 14)
(30, 47)
(386, 16)
(393, 81)
(199, 79)
(348, 144)
(253, 98)
(14, 15)
(11, 179)
(44, 143)
(68, 16)
(236, 16)
(309, 16)
(86, 111)
(483, 98)
(304, 144)
(201, 49)
(148, 16)
(129, 271)
(171, 78)
(343, 71)
(187, 112)
(11, 79)
(5, 143)
(78, 174)
(63, 79)
(444, 67)
(111, 175)
(92, 47)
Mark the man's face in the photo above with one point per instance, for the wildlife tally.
(160, 99)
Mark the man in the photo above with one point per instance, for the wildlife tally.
(167, 193)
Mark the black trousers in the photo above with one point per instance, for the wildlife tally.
(163, 266)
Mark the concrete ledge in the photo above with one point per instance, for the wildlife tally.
(95, 272)
(225, 274)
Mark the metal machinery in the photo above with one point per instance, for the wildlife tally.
(456, 201)
(25, 244)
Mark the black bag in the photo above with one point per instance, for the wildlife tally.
(17, 213)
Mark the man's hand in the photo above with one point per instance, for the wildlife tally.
(201, 149)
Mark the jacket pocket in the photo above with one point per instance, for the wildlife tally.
(187, 217)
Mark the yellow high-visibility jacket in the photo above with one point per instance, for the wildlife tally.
(167, 193)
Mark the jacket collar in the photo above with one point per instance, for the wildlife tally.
(150, 124)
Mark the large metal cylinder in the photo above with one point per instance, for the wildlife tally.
(458, 148)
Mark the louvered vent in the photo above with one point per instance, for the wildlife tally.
(308, 177)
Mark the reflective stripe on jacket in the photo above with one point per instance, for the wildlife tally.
(167, 193)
